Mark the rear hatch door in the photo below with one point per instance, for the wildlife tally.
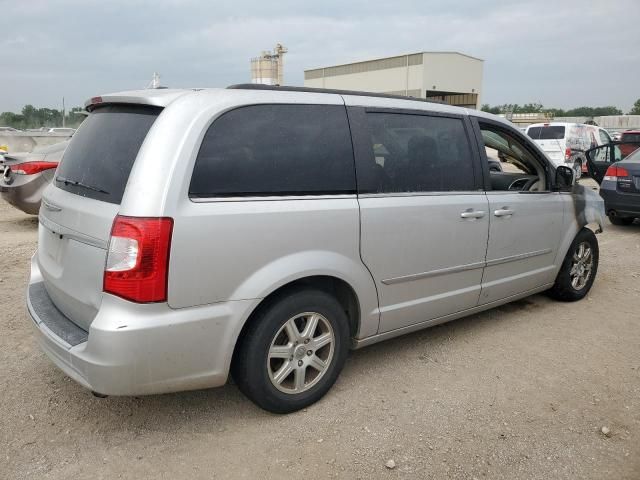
(551, 139)
(79, 208)
(553, 150)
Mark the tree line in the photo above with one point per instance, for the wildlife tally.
(32, 117)
(559, 112)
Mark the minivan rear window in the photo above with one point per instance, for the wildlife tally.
(267, 150)
(99, 158)
(546, 133)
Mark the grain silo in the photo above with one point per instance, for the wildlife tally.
(268, 68)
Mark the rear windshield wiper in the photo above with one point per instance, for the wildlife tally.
(66, 181)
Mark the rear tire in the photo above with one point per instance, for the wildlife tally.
(579, 268)
(621, 220)
(577, 168)
(273, 365)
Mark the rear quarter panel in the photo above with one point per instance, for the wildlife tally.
(239, 250)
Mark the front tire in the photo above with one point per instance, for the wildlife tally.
(293, 351)
(579, 268)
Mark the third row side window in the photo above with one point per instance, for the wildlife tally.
(276, 150)
(416, 153)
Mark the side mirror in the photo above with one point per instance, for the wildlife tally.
(565, 178)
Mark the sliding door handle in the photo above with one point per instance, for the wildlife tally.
(472, 214)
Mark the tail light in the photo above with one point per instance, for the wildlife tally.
(30, 168)
(614, 172)
(137, 266)
(567, 153)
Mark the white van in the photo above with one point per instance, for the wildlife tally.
(563, 143)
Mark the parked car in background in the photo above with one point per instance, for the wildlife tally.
(563, 143)
(629, 141)
(599, 136)
(619, 178)
(26, 175)
(614, 134)
(494, 159)
(8, 130)
(68, 131)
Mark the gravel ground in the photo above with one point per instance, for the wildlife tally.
(521, 391)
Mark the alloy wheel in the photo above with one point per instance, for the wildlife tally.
(581, 266)
(301, 353)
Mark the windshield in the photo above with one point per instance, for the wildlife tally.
(633, 157)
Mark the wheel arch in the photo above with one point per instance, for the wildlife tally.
(337, 287)
(568, 239)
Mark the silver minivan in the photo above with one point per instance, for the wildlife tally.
(261, 232)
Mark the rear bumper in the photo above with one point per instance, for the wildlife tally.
(133, 349)
(624, 204)
(25, 193)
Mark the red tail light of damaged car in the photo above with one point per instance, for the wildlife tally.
(137, 265)
(31, 168)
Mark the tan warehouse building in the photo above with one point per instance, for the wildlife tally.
(452, 77)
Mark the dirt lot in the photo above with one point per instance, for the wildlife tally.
(518, 392)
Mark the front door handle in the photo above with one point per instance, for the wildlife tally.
(503, 212)
(472, 214)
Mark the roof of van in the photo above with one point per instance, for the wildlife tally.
(162, 97)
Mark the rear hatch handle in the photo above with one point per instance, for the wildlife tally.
(72, 234)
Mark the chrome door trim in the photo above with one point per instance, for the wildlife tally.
(271, 198)
(464, 268)
(72, 234)
(519, 192)
(419, 194)
(433, 273)
(520, 256)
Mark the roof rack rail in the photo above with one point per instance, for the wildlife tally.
(288, 88)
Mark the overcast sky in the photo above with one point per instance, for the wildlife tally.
(560, 53)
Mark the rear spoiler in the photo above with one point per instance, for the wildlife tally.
(151, 97)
